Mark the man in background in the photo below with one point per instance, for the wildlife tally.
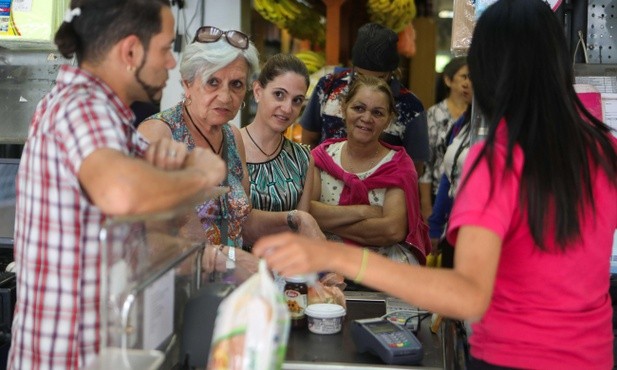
(374, 53)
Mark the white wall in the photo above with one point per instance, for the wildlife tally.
(222, 14)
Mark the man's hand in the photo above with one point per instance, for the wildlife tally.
(167, 154)
(208, 163)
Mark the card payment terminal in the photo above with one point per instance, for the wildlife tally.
(393, 343)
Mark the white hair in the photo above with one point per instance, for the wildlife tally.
(205, 59)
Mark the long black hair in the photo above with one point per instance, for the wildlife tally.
(102, 23)
(442, 90)
(521, 71)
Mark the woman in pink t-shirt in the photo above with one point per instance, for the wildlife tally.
(534, 218)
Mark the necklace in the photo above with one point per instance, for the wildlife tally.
(349, 156)
(258, 147)
(202, 134)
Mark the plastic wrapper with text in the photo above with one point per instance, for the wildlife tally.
(252, 327)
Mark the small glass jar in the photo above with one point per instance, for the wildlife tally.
(296, 295)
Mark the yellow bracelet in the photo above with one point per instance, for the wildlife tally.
(363, 264)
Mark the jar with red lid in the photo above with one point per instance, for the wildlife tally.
(296, 295)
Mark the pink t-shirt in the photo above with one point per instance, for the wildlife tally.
(549, 310)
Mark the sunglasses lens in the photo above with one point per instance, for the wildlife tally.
(208, 34)
(238, 39)
(212, 34)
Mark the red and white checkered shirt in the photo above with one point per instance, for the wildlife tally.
(57, 249)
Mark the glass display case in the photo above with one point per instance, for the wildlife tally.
(152, 266)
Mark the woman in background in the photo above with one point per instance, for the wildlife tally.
(534, 216)
(374, 53)
(459, 140)
(215, 70)
(454, 81)
(280, 171)
(366, 190)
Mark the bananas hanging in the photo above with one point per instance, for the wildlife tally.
(394, 14)
(313, 60)
(300, 20)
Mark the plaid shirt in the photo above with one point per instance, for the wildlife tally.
(57, 249)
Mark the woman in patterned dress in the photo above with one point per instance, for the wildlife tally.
(280, 170)
(215, 70)
(440, 118)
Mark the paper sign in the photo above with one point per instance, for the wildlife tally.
(22, 5)
(159, 311)
(609, 106)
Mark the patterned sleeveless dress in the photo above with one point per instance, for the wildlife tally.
(222, 217)
(277, 185)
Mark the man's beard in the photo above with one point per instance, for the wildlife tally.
(150, 90)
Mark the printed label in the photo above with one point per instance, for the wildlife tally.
(296, 303)
(5, 16)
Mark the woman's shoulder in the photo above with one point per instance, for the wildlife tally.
(296, 147)
(439, 106)
(332, 145)
(407, 100)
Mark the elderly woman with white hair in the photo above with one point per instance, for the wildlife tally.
(215, 70)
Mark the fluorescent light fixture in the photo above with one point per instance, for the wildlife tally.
(445, 14)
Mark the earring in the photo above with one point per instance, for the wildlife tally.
(187, 101)
(243, 105)
(130, 68)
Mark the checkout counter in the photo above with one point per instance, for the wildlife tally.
(153, 272)
(306, 350)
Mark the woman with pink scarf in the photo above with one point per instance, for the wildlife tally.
(366, 191)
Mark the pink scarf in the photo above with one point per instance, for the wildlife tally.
(399, 172)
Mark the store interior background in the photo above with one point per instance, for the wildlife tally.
(433, 26)
(27, 75)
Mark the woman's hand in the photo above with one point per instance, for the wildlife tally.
(215, 259)
(292, 254)
(212, 259)
(246, 264)
(307, 225)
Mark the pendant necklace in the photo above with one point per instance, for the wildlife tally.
(202, 134)
(349, 156)
(258, 147)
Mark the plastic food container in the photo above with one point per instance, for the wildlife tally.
(325, 318)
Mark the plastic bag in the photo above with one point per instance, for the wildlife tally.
(398, 253)
(463, 23)
(251, 327)
(328, 289)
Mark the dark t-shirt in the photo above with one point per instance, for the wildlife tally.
(323, 114)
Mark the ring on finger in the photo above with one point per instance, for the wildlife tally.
(171, 153)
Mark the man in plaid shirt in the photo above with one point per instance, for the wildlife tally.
(83, 162)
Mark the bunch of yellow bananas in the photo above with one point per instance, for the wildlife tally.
(300, 20)
(394, 14)
(433, 260)
(313, 60)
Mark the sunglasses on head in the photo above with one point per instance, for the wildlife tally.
(208, 34)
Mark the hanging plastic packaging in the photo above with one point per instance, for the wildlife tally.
(30, 24)
(463, 22)
(251, 327)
